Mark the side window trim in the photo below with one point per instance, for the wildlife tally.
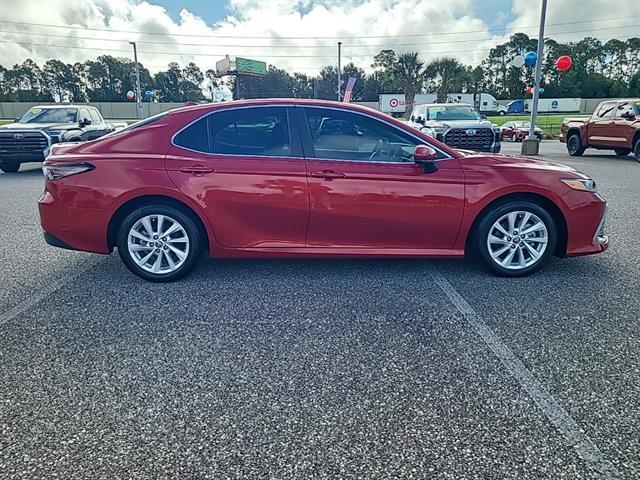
(309, 151)
(294, 136)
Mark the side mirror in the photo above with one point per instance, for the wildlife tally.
(18, 120)
(426, 156)
(483, 116)
(84, 122)
(420, 120)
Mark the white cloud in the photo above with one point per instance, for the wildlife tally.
(452, 29)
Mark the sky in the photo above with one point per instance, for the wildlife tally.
(298, 35)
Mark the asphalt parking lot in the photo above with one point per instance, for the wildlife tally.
(321, 369)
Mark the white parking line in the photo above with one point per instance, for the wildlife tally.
(48, 290)
(559, 417)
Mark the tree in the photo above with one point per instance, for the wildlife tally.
(408, 74)
(447, 75)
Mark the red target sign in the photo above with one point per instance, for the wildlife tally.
(393, 103)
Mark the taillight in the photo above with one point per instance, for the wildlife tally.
(55, 172)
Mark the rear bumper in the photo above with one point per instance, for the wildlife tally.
(73, 228)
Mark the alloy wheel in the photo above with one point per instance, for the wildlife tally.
(158, 244)
(517, 240)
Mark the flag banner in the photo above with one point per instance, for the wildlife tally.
(349, 89)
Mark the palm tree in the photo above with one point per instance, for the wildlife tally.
(448, 73)
(408, 74)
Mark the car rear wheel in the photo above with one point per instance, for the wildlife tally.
(622, 152)
(636, 150)
(516, 238)
(9, 167)
(159, 243)
(574, 145)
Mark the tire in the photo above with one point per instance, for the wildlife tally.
(574, 145)
(636, 150)
(498, 256)
(177, 258)
(622, 152)
(502, 113)
(9, 167)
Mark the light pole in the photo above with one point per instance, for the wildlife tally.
(138, 90)
(531, 146)
(339, 72)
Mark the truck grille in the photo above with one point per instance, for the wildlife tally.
(12, 142)
(480, 139)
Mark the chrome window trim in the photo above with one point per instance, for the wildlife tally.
(287, 105)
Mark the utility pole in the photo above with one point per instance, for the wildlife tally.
(138, 89)
(339, 72)
(532, 146)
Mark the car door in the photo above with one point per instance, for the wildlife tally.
(365, 189)
(244, 167)
(601, 128)
(83, 118)
(97, 128)
(507, 131)
(624, 119)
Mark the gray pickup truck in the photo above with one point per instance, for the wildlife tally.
(31, 136)
(458, 125)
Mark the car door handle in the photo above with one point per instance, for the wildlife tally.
(327, 174)
(196, 169)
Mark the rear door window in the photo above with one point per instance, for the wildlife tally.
(194, 137)
(258, 131)
(95, 117)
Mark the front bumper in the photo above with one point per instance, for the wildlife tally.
(585, 224)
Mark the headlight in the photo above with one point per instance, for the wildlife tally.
(54, 133)
(429, 131)
(582, 184)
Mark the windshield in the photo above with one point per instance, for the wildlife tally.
(50, 115)
(453, 112)
(521, 124)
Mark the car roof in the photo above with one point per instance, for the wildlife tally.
(275, 101)
(443, 105)
(60, 106)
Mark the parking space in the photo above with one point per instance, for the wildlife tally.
(320, 369)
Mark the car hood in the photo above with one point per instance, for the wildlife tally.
(38, 126)
(498, 162)
(459, 123)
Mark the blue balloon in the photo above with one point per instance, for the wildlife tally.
(541, 90)
(148, 93)
(530, 58)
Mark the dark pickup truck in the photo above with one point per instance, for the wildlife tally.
(614, 125)
(31, 136)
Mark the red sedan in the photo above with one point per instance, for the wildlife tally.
(518, 131)
(285, 178)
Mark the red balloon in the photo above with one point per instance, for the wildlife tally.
(564, 63)
(528, 90)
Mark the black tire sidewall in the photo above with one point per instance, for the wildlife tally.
(480, 237)
(578, 151)
(195, 242)
(622, 152)
(9, 167)
(636, 150)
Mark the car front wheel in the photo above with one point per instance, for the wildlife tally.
(516, 238)
(636, 150)
(574, 145)
(9, 167)
(159, 243)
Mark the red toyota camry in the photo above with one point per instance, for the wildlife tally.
(285, 178)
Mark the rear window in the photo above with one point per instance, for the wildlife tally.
(139, 124)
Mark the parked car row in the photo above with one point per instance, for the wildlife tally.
(310, 178)
(29, 139)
